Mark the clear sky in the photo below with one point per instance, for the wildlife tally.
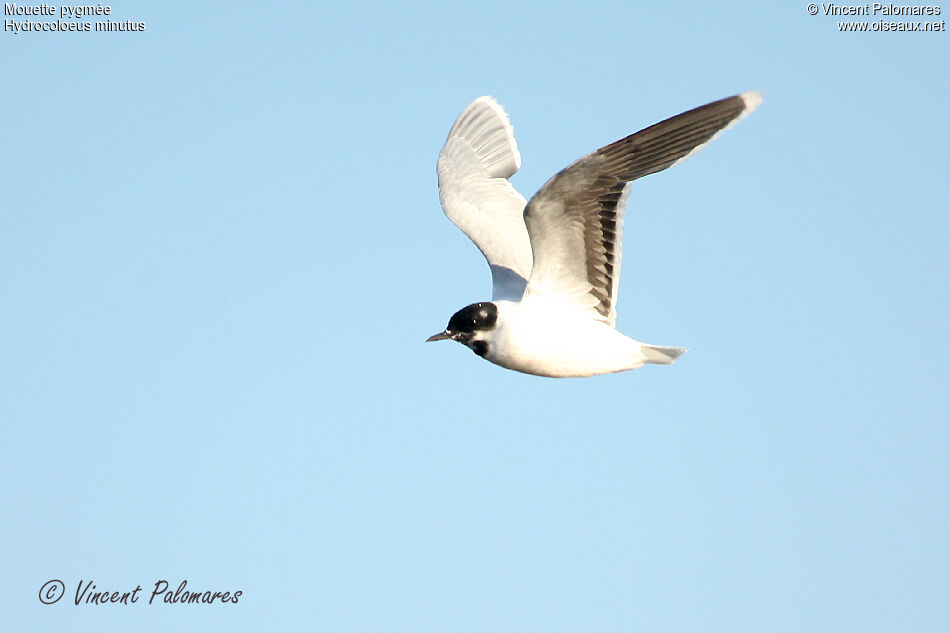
(222, 249)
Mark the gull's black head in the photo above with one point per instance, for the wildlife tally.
(469, 325)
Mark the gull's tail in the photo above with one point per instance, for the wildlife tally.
(661, 355)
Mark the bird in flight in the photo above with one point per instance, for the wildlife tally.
(555, 260)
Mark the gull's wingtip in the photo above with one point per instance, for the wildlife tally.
(480, 124)
(752, 100)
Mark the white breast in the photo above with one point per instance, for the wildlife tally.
(539, 337)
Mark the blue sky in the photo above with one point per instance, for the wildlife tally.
(222, 249)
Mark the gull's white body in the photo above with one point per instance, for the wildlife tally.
(536, 336)
(555, 260)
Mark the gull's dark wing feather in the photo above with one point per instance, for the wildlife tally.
(575, 221)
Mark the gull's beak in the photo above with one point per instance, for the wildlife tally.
(441, 336)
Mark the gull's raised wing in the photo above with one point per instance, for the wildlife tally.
(478, 157)
(575, 220)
